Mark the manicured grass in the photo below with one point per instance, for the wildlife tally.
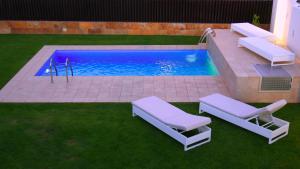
(84, 136)
(96, 136)
(16, 50)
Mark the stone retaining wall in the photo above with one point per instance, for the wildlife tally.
(128, 28)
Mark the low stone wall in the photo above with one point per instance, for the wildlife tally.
(127, 28)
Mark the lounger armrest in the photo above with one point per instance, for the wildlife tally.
(269, 110)
(276, 106)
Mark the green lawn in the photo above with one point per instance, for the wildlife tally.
(96, 136)
(84, 136)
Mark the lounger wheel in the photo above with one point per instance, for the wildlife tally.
(201, 111)
(133, 114)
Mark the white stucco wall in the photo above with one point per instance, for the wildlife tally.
(293, 40)
(285, 23)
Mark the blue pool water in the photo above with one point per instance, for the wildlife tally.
(133, 63)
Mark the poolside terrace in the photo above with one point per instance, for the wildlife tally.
(26, 87)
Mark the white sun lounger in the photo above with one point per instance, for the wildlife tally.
(276, 54)
(173, 121)
(250, 30)
(257, 120)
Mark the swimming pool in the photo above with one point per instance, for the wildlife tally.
(193, 62)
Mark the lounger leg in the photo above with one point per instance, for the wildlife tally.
(133, 114)
(200, 111)
(272, 140)
(283, 131)
(206, 140)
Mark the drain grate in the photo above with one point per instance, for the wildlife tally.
(274, 78)
(275, 84)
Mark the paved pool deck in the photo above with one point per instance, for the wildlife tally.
(26, 87)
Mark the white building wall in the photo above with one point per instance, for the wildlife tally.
(285, 23)
(293, 41)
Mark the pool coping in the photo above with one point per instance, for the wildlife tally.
(26, 87)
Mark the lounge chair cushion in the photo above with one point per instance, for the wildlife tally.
(170, 115)
(250, 30)
(267, 49)
(230, 106)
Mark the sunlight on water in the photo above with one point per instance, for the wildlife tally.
(191, 58)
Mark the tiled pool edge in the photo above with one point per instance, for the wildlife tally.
(25, 87)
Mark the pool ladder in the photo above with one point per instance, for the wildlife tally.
(67, 66)
(208, 31)
(52, 67)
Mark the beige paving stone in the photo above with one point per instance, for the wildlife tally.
(93, 94)
(148, 92)
(194, 98)
(181, 92)
(81, 93)
(138, 91)
(13, 100)
(193, 92)
(126, 98)
(83, 100)
(70, 94)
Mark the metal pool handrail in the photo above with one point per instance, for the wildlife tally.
(51, 66)
(68, 64)
(206, 33)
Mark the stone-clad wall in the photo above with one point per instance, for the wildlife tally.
(128, 28)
